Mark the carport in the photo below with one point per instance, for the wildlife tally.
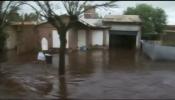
(125, 31)
(122, 39)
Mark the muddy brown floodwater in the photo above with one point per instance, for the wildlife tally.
(95, 74)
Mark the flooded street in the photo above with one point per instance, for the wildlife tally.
(95, 74)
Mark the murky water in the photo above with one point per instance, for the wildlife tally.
(97, 74)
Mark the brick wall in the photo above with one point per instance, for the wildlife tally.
(45, 30)
(26, 39)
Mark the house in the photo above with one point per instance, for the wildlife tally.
(108, 32)
(169, 33)
(83, 34)
(90, 31)
(168, 36)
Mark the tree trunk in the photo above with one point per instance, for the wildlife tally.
(62, 88)
(62, 53)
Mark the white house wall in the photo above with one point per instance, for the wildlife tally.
(56, 39)
(11, 42)
(81, 38)
(97, 37)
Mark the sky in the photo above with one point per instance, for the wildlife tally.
(167, 6)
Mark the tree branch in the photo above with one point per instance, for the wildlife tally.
(38, 12)
(107, 4)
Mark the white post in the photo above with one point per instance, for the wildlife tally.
(138, 38)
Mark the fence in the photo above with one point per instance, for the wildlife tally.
(158, 52)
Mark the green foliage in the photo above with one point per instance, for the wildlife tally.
(151, 37)
(31, 17)
(153, 19)
(14, 15)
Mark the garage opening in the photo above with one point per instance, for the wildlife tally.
(122, 39)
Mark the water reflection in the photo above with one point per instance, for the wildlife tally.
(121, 58)
(12, 57)
(81, 64)
(3, 56)
(62, 88)
(96, 74)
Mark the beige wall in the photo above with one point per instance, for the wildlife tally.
(45, 30)
(21, 38)
(28, 39)
(73, 38)
(11, 41)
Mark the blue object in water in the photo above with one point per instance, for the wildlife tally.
(83, 48)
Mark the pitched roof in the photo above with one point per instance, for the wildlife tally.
(122, 18)
(170, 27)
(93, 22)
(98, 23)
(169, 31)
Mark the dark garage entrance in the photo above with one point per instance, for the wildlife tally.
(122, 39)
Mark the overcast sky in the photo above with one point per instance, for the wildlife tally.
(167, 6)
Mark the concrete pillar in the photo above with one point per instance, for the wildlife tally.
(73, 39)
(138, 38)
(68, 39)
(50, 40)
(88, 38)
(107, 38)
(104, 37)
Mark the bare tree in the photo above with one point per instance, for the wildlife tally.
(73, 9)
